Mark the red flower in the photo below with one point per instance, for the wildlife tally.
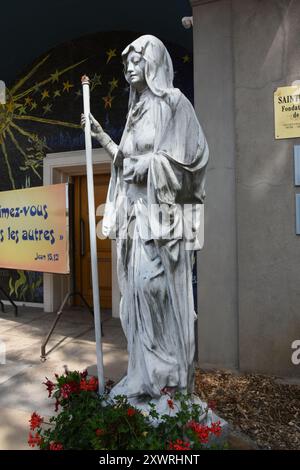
(68, 388)
(83, 384)
(35, 421)
(56, 446)
(131, 412)
(90, 385)
(179, 445)
(216, 428)
(34, 440)
(50, 386)
(171, 404)
(100, 432)
(200, 430)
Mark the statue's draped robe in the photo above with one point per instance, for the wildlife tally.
(155, 260)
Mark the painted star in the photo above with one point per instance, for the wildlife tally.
(18, 122)
(110, 54)
(45, 94)
(113, 83)
(95, 81)
(108, 101)
(10, 106)
(54, 76)
(56, 93)
(36, 88)
(67, 86)
(47, 108)
(22, 110)
(28, 101)
(186, 59)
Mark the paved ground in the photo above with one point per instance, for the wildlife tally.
(73, 344)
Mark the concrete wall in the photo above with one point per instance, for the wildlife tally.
(217, 263)
(264, 54)
(266, 51)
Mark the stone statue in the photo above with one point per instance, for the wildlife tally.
(158, 170)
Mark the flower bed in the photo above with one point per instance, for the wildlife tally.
(84, 420)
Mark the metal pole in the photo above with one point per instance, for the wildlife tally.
(92, 223)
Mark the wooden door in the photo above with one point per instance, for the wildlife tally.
(83, 273)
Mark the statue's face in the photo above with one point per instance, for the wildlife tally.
(135, 70)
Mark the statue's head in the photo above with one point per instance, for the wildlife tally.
(147, 63)
(134, 69)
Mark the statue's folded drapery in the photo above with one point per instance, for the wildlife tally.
(156, 235)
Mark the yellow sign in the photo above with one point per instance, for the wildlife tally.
(287, 112)
(34, 229)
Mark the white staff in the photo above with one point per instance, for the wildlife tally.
(92, 224)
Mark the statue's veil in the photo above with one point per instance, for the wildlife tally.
(159, 73)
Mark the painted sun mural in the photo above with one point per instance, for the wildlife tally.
(32, 104)
(42, 114)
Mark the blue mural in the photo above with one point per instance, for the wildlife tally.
(42, 112)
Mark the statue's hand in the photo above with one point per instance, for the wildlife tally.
(140, 168)
(96, 129)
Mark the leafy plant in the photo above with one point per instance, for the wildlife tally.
(86, 420)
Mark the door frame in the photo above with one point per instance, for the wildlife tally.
(59, 168)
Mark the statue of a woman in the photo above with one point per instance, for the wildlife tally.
(158, 170)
